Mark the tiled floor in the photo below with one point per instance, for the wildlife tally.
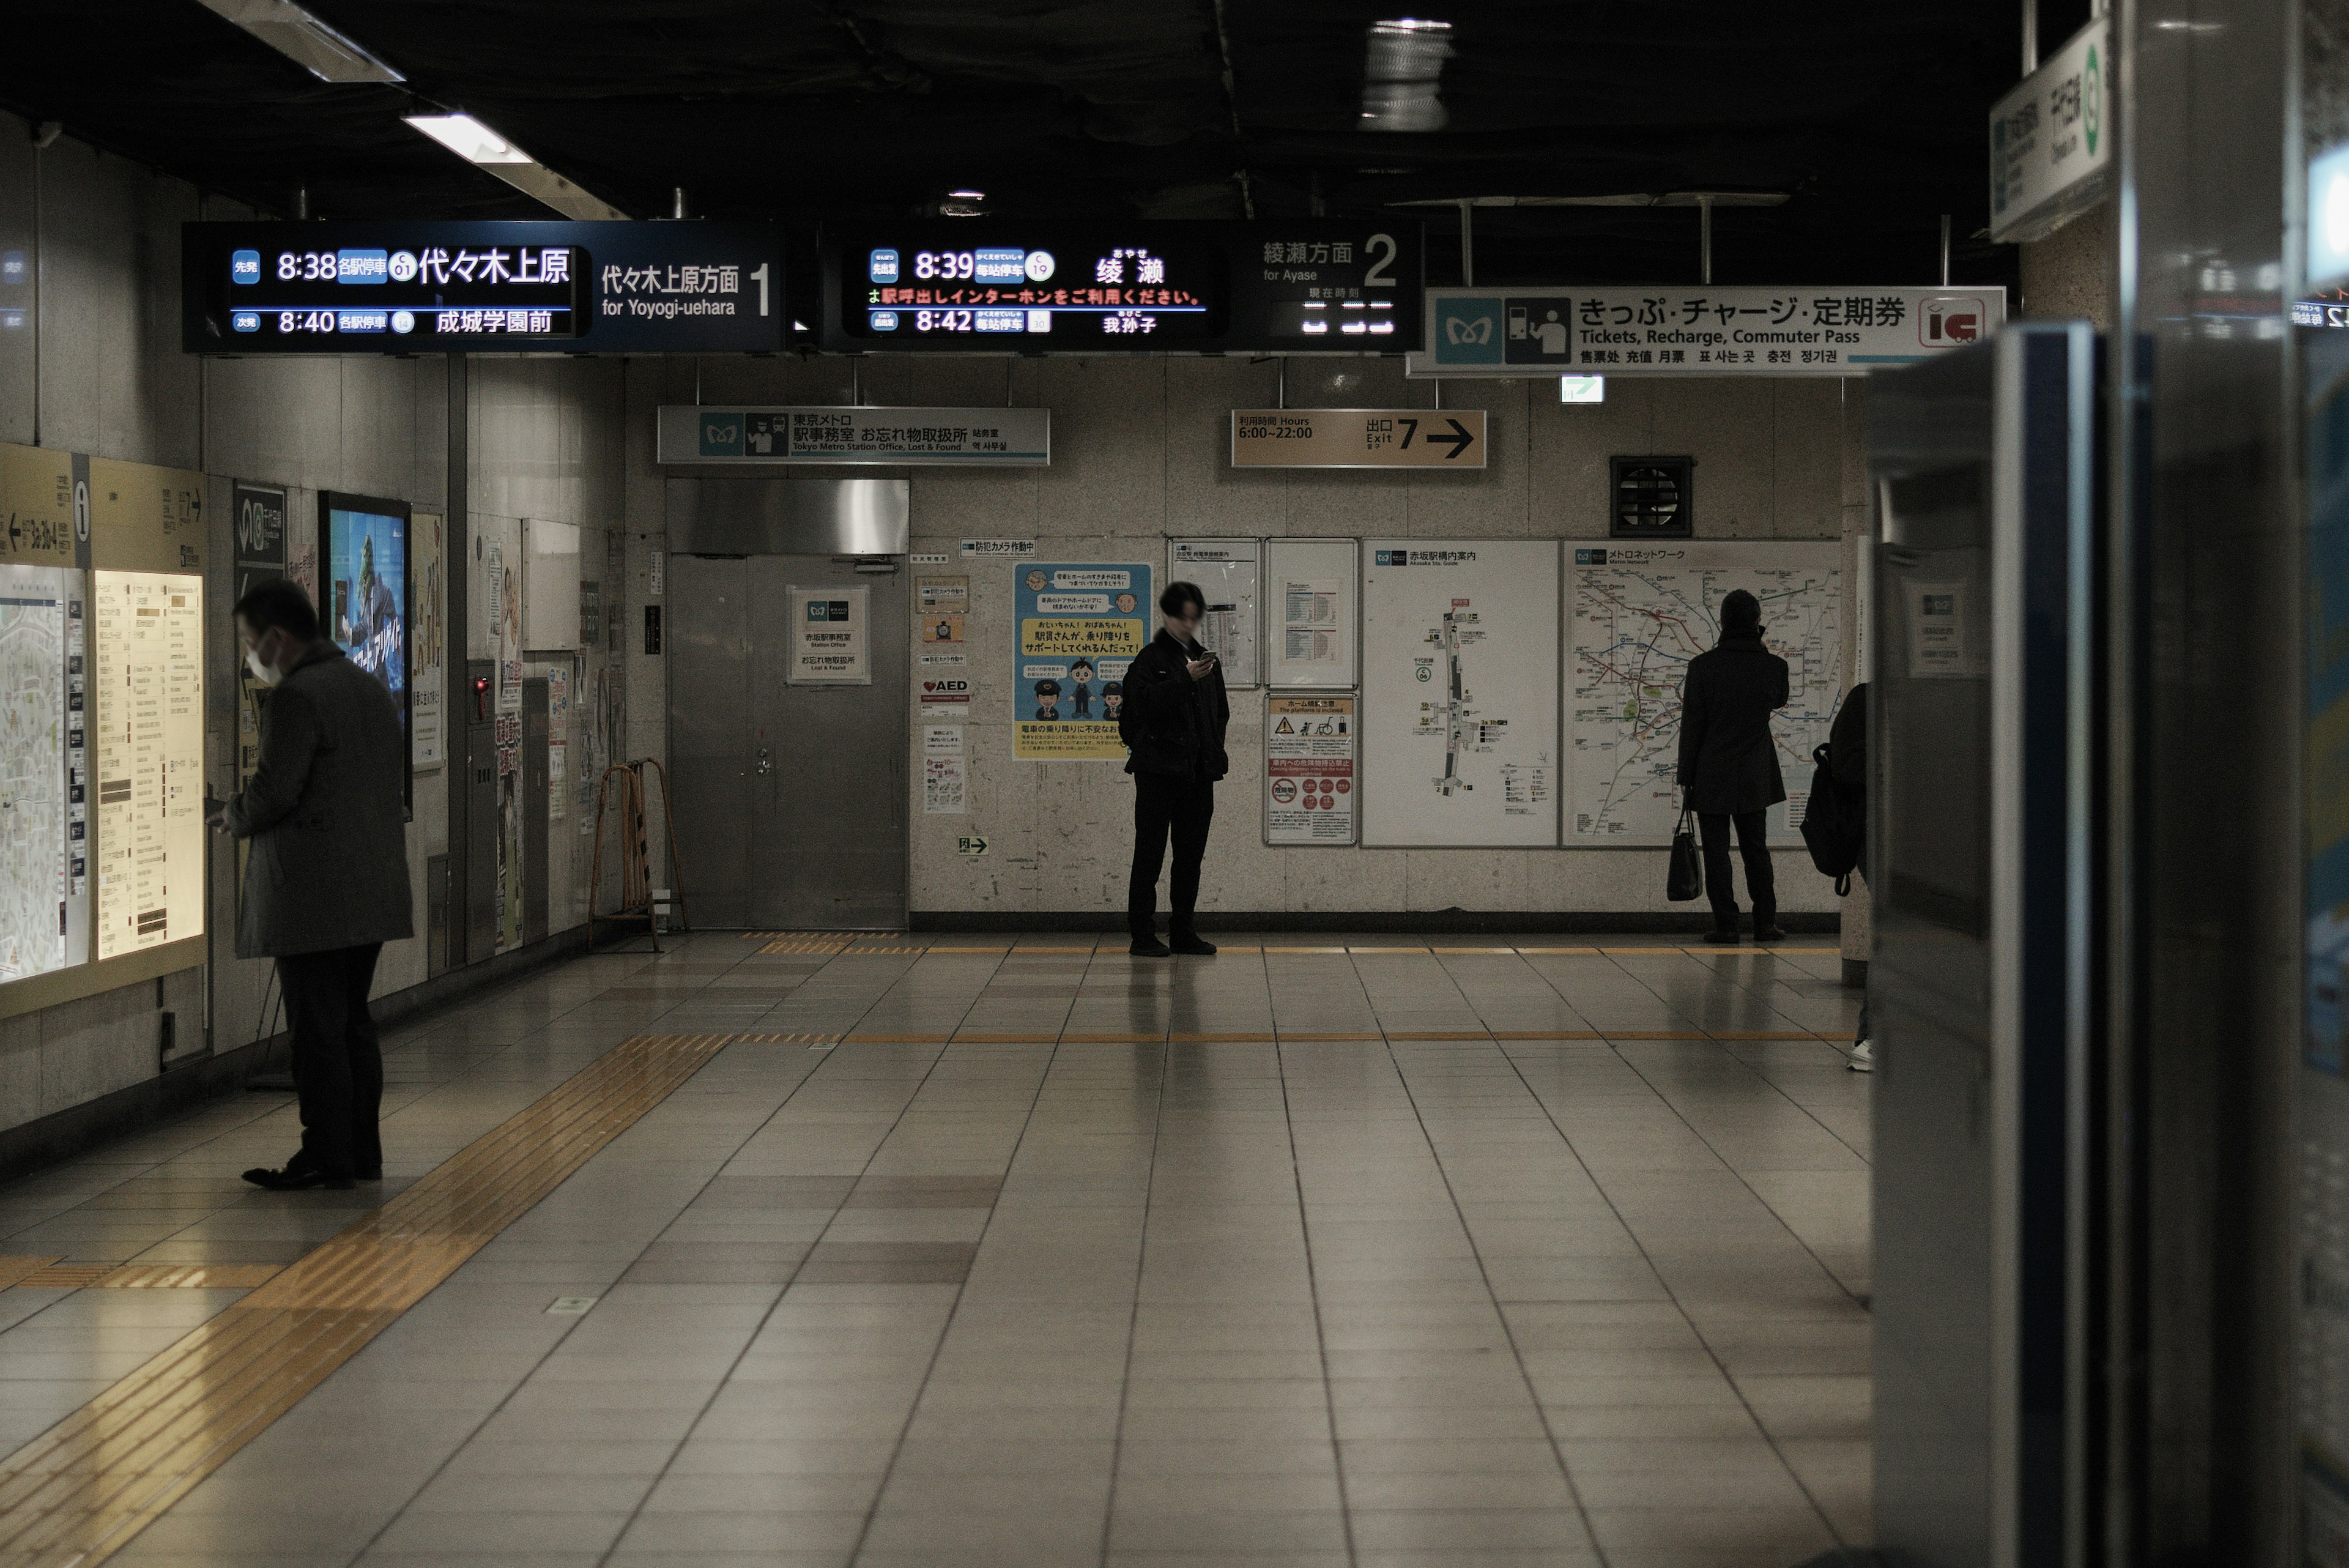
(1395, 1253)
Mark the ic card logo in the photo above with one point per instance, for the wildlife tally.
(1951, 319)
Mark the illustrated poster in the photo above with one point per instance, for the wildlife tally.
(1080, 625)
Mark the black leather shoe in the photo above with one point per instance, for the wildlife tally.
(1194, 944)
(1721, 938)
(298, 1180)
(1769, 934)
(1150, 947)
(301, 1162)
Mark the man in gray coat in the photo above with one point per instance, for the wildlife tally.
(326, 885)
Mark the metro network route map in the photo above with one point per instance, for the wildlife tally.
(1637, 617)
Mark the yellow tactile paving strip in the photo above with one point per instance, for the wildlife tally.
(51, 1275)
(1317, 1037)
(77, 1494)
(858, 945)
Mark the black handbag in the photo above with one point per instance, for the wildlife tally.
(1685, 880)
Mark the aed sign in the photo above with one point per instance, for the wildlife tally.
(1358, 438)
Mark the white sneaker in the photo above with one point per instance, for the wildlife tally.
(1863, 1058)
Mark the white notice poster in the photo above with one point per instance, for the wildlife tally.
(1230, 574)
(1937, 631)
(1308, 770)
(828, 637)
(945, 785)
(1309, 612)
(148, 639)
(1460, 642)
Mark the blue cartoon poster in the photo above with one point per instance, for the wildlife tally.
(1080, 625)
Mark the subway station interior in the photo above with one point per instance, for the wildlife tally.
(1057, 784)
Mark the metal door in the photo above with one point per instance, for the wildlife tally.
(790, 799)
(828, 762)
(708, 749)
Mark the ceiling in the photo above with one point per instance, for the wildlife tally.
(1871, 120)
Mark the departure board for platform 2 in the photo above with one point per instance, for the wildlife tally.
(432, 287)
(1139, 287)
(147, 634)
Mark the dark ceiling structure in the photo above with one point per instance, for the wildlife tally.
(1871, 120)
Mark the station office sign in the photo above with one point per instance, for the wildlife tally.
(1699, 331)
(2048, 147)
(761, 437)
(550, 287)
(1358, 438)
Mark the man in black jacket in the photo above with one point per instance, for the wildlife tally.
(1729, 764)
(1847, 765)
(1173, 723)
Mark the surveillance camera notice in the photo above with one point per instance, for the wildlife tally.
(1308, 770)
(149, 632)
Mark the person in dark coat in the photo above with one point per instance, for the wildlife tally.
(1172, 722)
(1847, 767)
(326, 884)
(1729, 764)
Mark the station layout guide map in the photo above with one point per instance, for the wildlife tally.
(1639, 616)
(1460, 693)
(44, 882)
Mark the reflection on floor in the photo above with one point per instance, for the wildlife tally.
(969, 1251)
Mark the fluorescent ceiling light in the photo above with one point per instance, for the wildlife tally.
(304, 39)
(1403, 73)
(469, 138)
(476, 144)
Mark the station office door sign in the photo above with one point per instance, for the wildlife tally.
(1308, 771)
(830, 636)
(1080, 623)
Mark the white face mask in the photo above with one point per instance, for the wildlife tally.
(261, 672)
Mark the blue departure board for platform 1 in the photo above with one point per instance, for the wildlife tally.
(436, 288)
(1139, 287)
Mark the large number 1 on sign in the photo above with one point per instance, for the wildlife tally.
(759, 277)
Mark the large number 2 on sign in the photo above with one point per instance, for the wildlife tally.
(1376, 277)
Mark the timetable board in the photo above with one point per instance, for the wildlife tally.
(1460, 686)
(1278, 286)
(1311, 589)
(146, 635)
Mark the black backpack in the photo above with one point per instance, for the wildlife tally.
(1832, 824)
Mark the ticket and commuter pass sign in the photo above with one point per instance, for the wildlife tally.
(1080, 623)
(1699, 331)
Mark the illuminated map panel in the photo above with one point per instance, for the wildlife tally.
(147, 637)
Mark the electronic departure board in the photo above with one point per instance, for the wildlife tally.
(435, 287)
(1304, 288)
